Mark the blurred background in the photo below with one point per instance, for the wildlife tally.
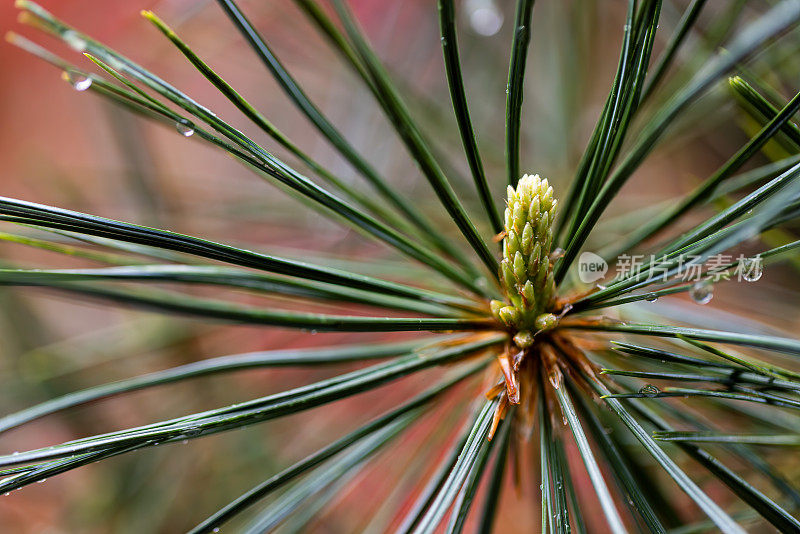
(74, 150)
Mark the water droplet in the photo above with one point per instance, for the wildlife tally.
(702, 292)
(75, 41)
(78, 81)
(752, 270)
(185, 128)
(649, 390)
(651, 297)
(215, 530)
(196, 431)
(556, 254)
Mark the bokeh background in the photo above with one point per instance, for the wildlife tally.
(70, 149)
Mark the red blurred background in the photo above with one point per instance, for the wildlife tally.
(74, 150)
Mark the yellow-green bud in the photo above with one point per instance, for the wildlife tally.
(543, 226)
(509, 219)
(509, 315)
(526, 243)
(546, 321)
(529, 293)
(525, 270)
(507, 273)
(511, 243)
(519, 215)
(495, 306)
(523, 339)
(519, 267)
(534, 211)
(534, 259)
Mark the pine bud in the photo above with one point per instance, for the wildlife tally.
(519, 267)
(523, 339)
(546, 321)
(529, 293)
(533, 259)
(534, 211)
(509, 315)
(526, 242)
(511, 243)
(525, 270)
(507, 276)
(519, 215)
(495, 306)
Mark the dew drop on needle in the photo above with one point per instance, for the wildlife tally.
(185, 128)
(702, 292)
(557, 254)
(78, 81)
(752, 270)
(649, 390)
(74, 41)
